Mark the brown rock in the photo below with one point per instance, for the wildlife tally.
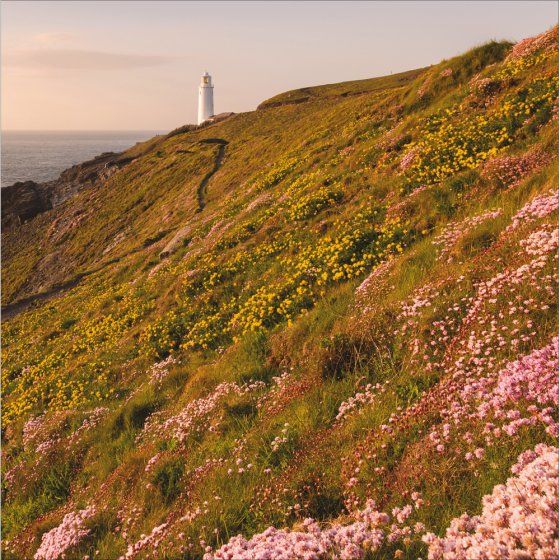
(22, 201)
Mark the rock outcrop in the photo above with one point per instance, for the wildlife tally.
(180, 238)
(22, 201)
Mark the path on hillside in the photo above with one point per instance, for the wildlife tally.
(201, 190)
(12, 309)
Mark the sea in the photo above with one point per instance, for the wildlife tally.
(42, 156)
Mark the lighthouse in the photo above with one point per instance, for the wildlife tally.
(205, 98)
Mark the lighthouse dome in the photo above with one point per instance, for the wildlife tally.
(206, 80)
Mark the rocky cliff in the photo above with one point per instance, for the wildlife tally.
(24, 200)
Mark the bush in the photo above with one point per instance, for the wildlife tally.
(241, 409)
(67, 323)
(132, 417)
(479, 239)
(167, 479)
(341, 355)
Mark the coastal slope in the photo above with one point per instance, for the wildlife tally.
(322, 329)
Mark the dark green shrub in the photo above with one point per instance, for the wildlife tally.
(341, 355)
(410, 391)
(241, 409)
(154, 238)
(477, 240)
(56, 484)
(463, 181)
(67, 323)
(133, 416)
(167, 479)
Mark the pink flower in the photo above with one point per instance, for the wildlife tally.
(56, 542)
(518, 520)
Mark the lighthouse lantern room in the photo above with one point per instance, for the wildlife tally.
(205, 98)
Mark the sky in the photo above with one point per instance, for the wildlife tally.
(137, 65)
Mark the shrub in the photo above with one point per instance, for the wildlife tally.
(67, 323)
(167, 478)
(133, 415)
(341, 355)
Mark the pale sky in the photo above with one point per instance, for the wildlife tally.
(136, 65)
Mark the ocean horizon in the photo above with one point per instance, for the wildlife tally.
(42, 155)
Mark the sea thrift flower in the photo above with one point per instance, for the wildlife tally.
(196, 416)
(31, 429)
(547, 41)
(509, 171)
(423, 89)
(160, 370)
(538, 207)
(518, 520)
(409, 158)
(56, 542)
(153, 540)
(363, 290)
(361, 398)
(152, 462)
(367, 533)
(455, 230)
(541, 242)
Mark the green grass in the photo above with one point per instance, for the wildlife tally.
(287, 218)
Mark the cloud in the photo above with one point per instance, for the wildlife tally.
(54, 38)
(73, 59)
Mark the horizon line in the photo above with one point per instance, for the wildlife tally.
(81, 130)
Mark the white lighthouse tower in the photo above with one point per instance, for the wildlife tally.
(205, 98)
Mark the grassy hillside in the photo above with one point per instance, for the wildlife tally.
(334, 315)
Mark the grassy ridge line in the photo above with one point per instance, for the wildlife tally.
(343, 89)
